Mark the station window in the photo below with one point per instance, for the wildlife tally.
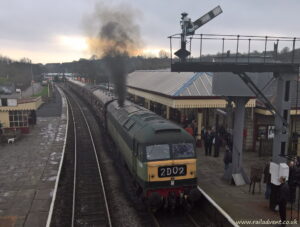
(4, 102)
(18, 118)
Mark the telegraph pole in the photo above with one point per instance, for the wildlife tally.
(32, 82)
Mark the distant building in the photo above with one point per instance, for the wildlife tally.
(17, 113)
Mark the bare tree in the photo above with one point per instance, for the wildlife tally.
(163, 54)
(25, 60)
(285, 50)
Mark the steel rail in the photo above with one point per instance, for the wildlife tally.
(75, 164)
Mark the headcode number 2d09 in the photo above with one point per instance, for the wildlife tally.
(170, 171)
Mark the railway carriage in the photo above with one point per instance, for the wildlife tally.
(159, 154)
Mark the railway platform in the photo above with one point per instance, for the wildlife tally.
(245, 208)
(29, 167)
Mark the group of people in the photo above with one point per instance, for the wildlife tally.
(215, 139)
(287, 189)
(211, 138)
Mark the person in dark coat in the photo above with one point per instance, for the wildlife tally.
(284, 193)
(203, 131)
(292, 181)
(222, 131)
(208, 138)
(267, 180)
(217, 144)
(228, 139)
(195, 128)
(227, 157)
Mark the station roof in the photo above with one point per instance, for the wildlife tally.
(172, 83)
(176, 90)
(24, 104)
(10, 96)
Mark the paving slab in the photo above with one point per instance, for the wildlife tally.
(36, 219)
(29, 167)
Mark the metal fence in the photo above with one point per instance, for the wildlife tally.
(238, 48)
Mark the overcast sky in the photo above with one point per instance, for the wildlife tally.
(53, 30)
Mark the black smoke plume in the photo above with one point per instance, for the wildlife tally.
(117, 38)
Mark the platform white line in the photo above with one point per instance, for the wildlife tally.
(223, 212)
(64, 103)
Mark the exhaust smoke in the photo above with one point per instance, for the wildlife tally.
(114, 36)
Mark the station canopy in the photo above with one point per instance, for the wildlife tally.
(176, 90)
(172, 83)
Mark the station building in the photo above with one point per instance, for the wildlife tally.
(18, 113)
(264, 124)
(183, 97)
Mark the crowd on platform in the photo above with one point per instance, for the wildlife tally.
(213, 140)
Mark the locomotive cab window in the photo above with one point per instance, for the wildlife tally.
(158, 152)
(183, 150)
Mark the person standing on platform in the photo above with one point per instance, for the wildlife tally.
(284, 193)
(217, 144)
(195, 129)
(292, 181)
(203, 131)
(208, 142)
(227, 157)
(267, 180)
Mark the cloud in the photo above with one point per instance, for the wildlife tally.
(33, 25)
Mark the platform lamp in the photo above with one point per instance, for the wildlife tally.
(188, 28)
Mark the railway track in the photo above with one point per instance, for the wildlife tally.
(174, 220)
(88, 205)
(181, 219)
